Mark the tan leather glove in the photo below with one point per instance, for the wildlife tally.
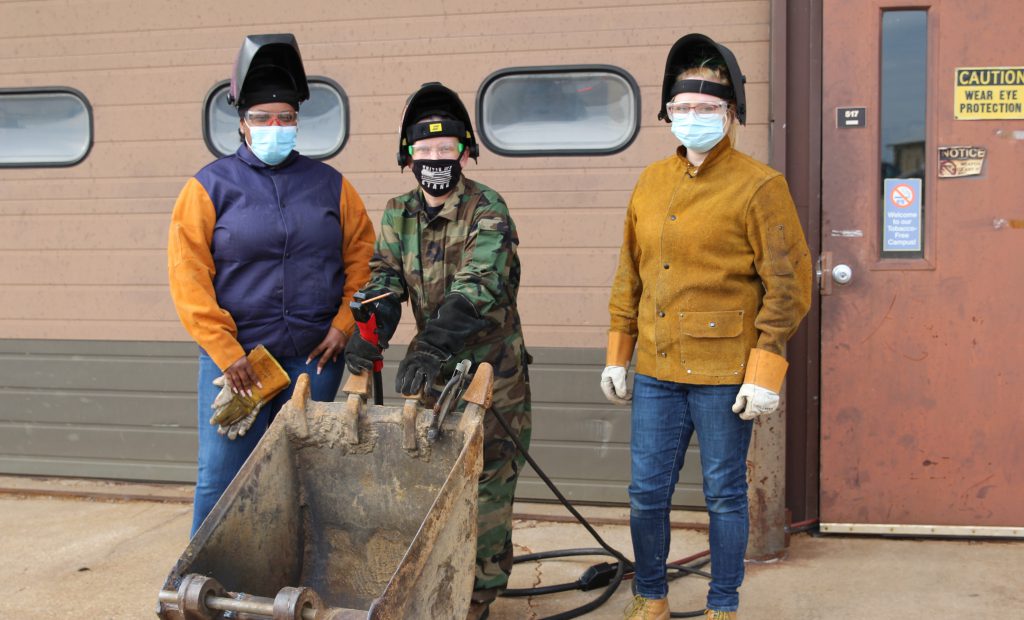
(235, 413)
(614, 386)
(753, 401)
(759, 394)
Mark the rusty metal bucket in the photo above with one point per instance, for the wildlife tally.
(344, 510)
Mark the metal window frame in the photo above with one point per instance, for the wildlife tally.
(556, 69)
(312, 79)
(66, 90)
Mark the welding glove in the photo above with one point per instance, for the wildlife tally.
(442, 337)
(360, 355)
(754, 400)
(419, 368)
(223, 401)
(614, 386)
(235, 413)
(389, 313)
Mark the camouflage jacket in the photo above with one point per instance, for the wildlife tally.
(468, 248)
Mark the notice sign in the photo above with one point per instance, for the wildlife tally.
(901, 219)
(989, 93)
(960, 161)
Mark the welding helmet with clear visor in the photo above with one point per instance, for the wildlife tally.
(434, 99)
(268, 69)
(689, 52)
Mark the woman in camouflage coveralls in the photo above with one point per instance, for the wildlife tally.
(449, 248)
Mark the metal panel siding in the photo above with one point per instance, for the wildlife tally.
(128, 410)
(84, 246)
(100, 409)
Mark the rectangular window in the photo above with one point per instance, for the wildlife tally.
(903, 145)
(44, 127)
(569, 110)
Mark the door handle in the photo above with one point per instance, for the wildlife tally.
(842, 274)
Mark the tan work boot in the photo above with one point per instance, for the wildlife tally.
(478, 610)
(641, 608)
(714, 614)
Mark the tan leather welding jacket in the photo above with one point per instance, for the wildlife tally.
(714, 274)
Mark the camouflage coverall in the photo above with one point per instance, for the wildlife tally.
(469, 248)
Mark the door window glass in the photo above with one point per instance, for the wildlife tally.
(903, 132)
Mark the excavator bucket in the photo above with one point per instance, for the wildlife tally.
(344, 510)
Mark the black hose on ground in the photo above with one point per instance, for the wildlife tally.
(597, 575)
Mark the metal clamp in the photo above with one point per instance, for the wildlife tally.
(449, 398)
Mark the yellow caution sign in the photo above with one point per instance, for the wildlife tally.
(983, 93)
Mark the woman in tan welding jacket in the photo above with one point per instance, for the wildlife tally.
(713, 279)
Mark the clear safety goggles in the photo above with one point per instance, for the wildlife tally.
(445, 151)
(259, 118)
(704, 110)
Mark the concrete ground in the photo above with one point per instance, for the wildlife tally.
(94, 550)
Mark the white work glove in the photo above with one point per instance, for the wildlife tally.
(613, 384)
(754, 400)
(228, 406)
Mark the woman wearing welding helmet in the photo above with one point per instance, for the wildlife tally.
(713, 278)
(266, 247)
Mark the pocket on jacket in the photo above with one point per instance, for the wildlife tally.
(711, 343)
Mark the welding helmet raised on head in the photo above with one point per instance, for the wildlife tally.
(268, 68)
(434, 99)
(691, 51)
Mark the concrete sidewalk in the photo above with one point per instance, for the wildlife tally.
(105, 556)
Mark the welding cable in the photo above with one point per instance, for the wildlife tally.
(598, 574)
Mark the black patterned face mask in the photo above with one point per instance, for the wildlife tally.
(437, 177)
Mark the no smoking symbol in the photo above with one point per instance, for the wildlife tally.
(902, 196)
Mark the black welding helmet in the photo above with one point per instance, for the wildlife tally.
(434, 99)
(691, 51)
(268, 68)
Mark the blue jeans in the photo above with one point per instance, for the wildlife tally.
(665, 415)
(219, 457)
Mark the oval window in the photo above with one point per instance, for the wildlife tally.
(323, 120)
(566, 110)
(44, 127)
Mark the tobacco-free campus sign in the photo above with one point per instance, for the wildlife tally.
(983, 93)
(901, 217)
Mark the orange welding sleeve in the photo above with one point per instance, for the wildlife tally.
(190, 270)
(357, 249)
(620, 349)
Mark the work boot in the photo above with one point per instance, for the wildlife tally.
(714, 614)
(647, 609)
(478, 610)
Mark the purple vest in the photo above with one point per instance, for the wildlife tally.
(277, 248)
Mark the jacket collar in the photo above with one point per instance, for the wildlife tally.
(450, 208)
(716, 154)
(245, 154)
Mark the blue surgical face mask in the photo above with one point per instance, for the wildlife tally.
(698, 134)
(271, 144)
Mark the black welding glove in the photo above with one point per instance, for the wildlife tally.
(389, 312)
(419, 368)
(444, 336)
(360, 355)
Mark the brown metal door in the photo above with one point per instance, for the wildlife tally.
(922, 381)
